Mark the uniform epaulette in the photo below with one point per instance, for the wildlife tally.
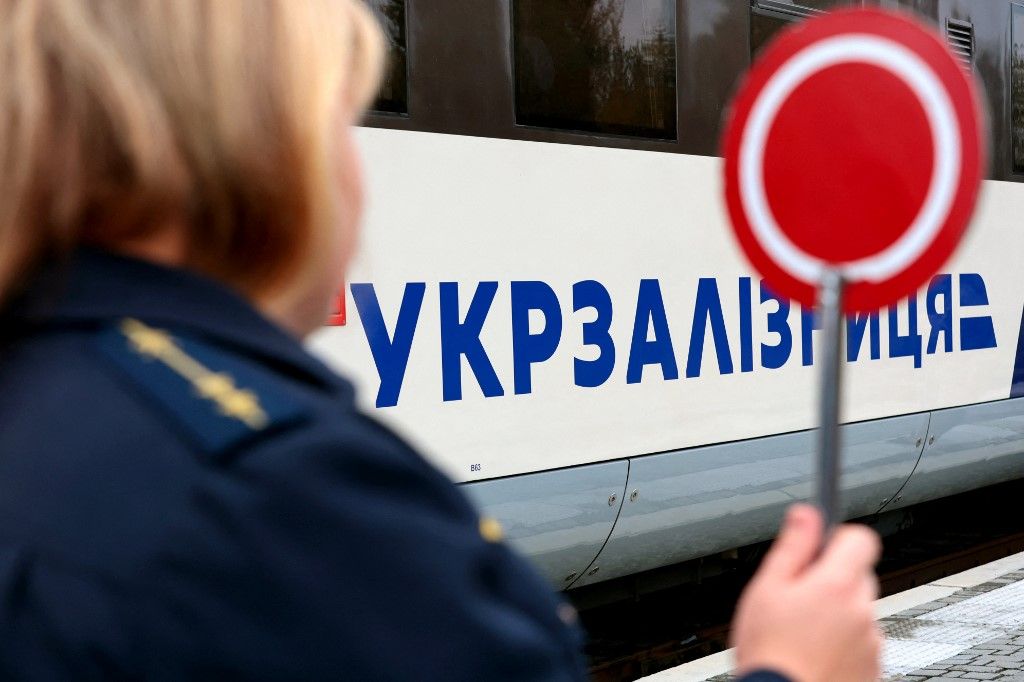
(217, 398)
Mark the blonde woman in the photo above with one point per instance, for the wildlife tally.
(185, 493)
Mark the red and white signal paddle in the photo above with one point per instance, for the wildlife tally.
(853, 156)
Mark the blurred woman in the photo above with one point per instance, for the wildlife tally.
(185, 493)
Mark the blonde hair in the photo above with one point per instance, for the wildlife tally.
(119, 117)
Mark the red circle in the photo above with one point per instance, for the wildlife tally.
(849, 156)
(804, 157)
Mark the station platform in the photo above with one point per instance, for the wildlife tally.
(968, 626)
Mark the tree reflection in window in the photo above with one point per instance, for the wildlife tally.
(764, 27)
(1017, 88)
(394, 92)
(768, 19)
(601, 66)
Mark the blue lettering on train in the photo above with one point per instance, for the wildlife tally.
(529, 349)
(857, 325)
(462, 339)
(946, 323)
(651, 321)
(390, 351)
(774, 356)
(708, 311)
(594, 295)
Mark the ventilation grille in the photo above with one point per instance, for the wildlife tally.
(960, 37)
(787, 8)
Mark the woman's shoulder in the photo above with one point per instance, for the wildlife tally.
(299, 509)
(158, 457)
(122, 424)
(214, 400)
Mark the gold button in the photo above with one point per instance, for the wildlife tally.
(491, 530)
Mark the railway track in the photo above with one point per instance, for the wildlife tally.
(631, 638)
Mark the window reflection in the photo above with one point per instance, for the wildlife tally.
(812, 4)
(394, 92)
(602, 66)
(1017, 88)
(768, 17)
(763, 28)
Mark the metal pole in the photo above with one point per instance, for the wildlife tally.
(830, 307)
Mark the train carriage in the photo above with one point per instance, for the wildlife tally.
(549, 302)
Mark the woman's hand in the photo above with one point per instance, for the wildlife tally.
(811, 617)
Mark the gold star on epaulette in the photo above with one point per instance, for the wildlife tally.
(231, 401)
(244, 406)
(147, 341)
(215, 386)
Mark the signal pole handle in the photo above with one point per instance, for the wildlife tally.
(830, 307)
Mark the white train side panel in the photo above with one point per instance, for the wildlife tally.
(521, 306)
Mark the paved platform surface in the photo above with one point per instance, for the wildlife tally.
(969, 626)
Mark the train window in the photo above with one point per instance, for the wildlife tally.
(598, 66)
(393, 97)
(768, 17)
(763, 27)
(820, 5)
(1017, 88)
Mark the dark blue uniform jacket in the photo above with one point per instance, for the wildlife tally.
(185, 493)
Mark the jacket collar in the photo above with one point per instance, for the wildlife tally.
(97, 287)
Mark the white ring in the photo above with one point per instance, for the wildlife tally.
(945, 131)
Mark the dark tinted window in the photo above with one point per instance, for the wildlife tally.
(816, 4)
(768, 17)
(601, 66)
(394, 93)
(763, 27)
(1017, 90)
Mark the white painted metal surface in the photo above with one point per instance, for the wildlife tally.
(450, 209)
